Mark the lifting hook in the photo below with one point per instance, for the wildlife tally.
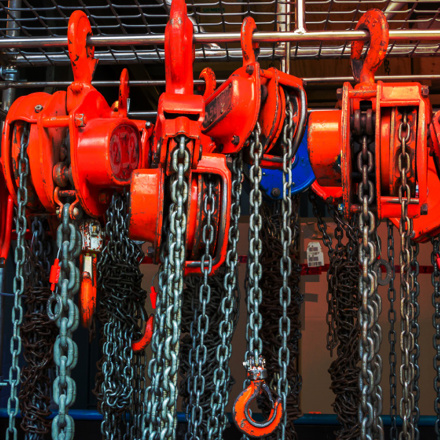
(376, 24)
(241, 411)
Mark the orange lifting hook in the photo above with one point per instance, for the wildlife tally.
(241, 411)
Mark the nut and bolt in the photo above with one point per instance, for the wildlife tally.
(38, 108)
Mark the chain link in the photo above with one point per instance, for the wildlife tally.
(38, 334)
(407, 372)
(121, 310)
(200, 325)
(63, 310)
(435, 279)
(160, 399)
(217, 421)
(392, 338)
(18, 283)
(254, 268)
(371, 334)
(415, 329)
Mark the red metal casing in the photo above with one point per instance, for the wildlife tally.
(428, 226)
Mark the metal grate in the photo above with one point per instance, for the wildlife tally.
(49, 18)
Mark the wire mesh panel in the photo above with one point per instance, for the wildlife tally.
(49, 18)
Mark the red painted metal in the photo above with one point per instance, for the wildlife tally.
(329, 137)
(243, 417)
(181, 112)
(6, 218)
(104, 144)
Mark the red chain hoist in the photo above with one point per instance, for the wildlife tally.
(80, 149)
(249, 96)
(181, 113)
(377, 106)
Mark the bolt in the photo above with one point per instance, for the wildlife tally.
(147, 124)
(275, 192)
(38, 108)
(425, 91)
(250, 69)
(80, 120)
(235, 139)
(339, 93)
(103, 198)
(75, 213)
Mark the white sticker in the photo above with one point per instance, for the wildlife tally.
(315, 256)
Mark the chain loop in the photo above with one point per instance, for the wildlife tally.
(18, 283)
(407, 371)
(66, 317)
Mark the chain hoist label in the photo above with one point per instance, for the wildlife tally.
(315, 256)
(218, 108)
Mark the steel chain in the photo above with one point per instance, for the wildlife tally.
(392, 337)
(415, 329)
(254, 269)
(200, 325)
(38, 334)
(217, 421)
(18, 283)
(160, 399)
(121, 310)
(435, 279)
(371, 335)
(62, 309)
(407, 371)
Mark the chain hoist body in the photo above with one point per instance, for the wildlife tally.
(378, 105)
(180, 113)
(79, 145)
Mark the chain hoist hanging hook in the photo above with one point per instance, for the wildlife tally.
(241, 411)
(375, 22)
(248, 47)
(81, 55)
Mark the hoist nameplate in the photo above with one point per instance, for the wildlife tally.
(218, 108)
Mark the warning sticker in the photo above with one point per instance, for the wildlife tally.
(315, 256)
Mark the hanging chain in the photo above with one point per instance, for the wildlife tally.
(435, 278)
(200, 325)
(19, 283)
(160, 398)
(392, 338)
(371, 335)
(254, 293)
(407, 372)
(344, 309)
(38, 334)
(62, 309)
(415, 329)
(121, 311)
(217, 421)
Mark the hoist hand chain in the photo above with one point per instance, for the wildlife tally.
(200, 325)
(284, 385)
(371, 334)
(343, 311)
(392, 338)
(62, 309)
(407, 371)
(217, 421)
(160, 398)
(254, 297)
(415, 329)
(18, 283)
(272, 308)
(121, 311)
(435, 279)
(38, 334)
